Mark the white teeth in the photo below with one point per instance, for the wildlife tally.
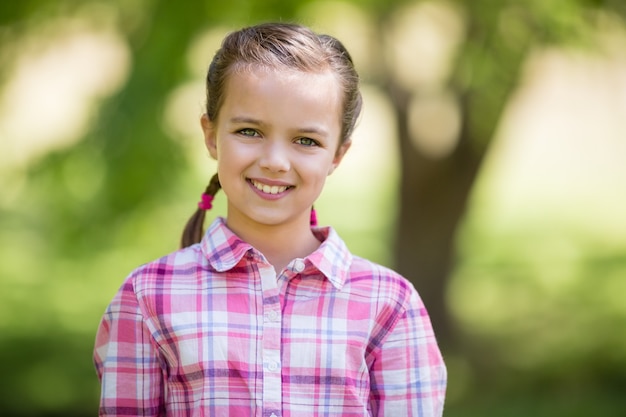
(269, 189)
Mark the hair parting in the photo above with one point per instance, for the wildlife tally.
(194, 229)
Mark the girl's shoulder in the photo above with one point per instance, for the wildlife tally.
(181, 265)
(379, 281)
(365, 267)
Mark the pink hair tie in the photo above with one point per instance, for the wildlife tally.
(313, 217)
(206, 203)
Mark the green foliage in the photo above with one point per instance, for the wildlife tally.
(79, 219)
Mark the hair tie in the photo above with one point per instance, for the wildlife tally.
(206, 202)
(313, 217)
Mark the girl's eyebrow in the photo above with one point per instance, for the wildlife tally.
(243, 119)
(304, 130)
(313, 130)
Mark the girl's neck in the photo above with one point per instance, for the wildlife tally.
(279, 244)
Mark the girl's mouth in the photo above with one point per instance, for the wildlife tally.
(269, 189)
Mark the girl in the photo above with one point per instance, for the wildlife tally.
(267, 314)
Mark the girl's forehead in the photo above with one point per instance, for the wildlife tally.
(254, 80)
(320, 84)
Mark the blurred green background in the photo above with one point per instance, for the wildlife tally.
(488, 168)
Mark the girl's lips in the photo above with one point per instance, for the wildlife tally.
(270, 187)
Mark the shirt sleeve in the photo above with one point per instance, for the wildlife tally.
(407, 375)
(127, 360)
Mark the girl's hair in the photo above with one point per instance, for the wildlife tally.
(276, 46)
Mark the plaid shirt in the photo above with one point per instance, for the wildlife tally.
(211, 330)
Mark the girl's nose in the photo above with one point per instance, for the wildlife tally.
(275, 157)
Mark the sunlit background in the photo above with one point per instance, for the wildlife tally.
(102, 161)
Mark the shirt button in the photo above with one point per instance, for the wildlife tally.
(298, 265)
(272, 315)
(272, 366)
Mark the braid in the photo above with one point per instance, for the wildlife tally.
(194, 229)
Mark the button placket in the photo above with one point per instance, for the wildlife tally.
(271, 349)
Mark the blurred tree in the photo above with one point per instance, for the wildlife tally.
(434, 188)
(497, 36)
(141, 162)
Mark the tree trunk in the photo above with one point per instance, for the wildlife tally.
(433, 199)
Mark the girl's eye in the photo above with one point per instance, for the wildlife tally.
(307, 142)
(247, 132)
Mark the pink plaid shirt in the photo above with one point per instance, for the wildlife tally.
(212, 330)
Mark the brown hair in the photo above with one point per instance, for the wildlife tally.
(276, 46)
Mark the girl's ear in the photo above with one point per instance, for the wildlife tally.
(341, 152)
(209, 135)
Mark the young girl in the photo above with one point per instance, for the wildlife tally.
(267, 314)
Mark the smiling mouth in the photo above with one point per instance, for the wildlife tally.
(270, 189)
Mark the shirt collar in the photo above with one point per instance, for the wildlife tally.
(332, 258)
(224, 249)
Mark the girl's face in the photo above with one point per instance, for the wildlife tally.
(276, 140)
